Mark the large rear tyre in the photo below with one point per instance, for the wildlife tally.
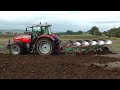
(15, 49)
(45, 47)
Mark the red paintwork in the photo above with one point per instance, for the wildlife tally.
(54, 35)
(23, 38)
(47, 36)
(27, 38)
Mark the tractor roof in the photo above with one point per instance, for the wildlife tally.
(42, 25)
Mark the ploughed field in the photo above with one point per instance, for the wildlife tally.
(71, 66)
(34, 66)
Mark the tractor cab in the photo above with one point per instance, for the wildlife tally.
(38, 30)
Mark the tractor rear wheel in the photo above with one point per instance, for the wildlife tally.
(45, 47)
(15, 49)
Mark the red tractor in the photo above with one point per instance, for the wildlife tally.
(40, 39)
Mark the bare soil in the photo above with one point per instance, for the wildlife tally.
(116, 55)
(34, 66)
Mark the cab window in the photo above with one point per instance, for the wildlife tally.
(45, 30)
(36, 29)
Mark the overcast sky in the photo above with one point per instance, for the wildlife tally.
(61, 20)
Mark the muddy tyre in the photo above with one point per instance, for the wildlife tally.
(45, 47)
(16, 49)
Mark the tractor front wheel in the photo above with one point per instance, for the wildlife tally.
(15, 49)
(45, 47)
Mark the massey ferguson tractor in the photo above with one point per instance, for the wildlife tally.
(42, 40)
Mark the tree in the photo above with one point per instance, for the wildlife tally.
(94, 31)
(114, 32)
(69, 32)
(90, 32)
(79, 32)
(105, 33)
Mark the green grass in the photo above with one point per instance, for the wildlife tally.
(4, 40)
(115, 45)
(81, 37)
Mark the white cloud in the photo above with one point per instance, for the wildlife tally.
(76, 16)
(84, 18)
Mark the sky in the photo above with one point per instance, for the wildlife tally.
(61, 20)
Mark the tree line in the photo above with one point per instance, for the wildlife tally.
(70, 32)
(93, 31)
(113, 32)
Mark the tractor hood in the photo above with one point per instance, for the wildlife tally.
(23, 38)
